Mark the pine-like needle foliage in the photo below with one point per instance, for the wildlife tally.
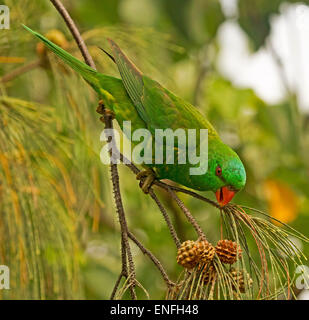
(37, 228)
(268, 277)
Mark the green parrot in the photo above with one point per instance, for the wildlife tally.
(143, 101)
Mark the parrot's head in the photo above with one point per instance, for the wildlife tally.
(226, 173)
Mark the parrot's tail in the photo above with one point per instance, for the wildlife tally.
(89, 74)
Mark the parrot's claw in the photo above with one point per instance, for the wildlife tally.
(104, 112)
(147, 178)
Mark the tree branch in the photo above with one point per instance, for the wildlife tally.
(112, 297)
(126, 250)
(75, 33)
(153, 259)
(166, 218)
(188, 214)
(21, 70)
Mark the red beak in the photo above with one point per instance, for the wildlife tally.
(224, 195)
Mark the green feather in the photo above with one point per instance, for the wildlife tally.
(132, 79)
(84, 70)
(123, 108)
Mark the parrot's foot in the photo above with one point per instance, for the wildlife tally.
(147, 178)
(104, 112)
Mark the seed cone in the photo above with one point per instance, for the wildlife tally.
(228, 251)
(205, 251)
(187, 254)
(209, 274)
(240, 280)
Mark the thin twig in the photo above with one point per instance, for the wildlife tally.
(128, 163)
(176, 213)
(71, 25)
(153, 259)
(21, 70)
(112, 297)
(166, 218)
(186, 191)
(188, 214)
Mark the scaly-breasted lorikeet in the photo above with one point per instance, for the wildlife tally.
(145, 103)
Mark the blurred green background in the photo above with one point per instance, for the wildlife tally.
(242, 63)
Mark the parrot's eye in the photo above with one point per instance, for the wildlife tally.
(218, 171)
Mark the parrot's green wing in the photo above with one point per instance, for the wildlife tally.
(157, 106)
(132, 79)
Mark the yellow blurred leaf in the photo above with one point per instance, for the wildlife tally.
(282, 201)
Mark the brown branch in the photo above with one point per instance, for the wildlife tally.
(128, 163)
(153, 259)
(75, 33)
(188, 214)
(186, 191)
(166, 218)
(21, 70)
(126, 250)
(176, 213)
(112, 297)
